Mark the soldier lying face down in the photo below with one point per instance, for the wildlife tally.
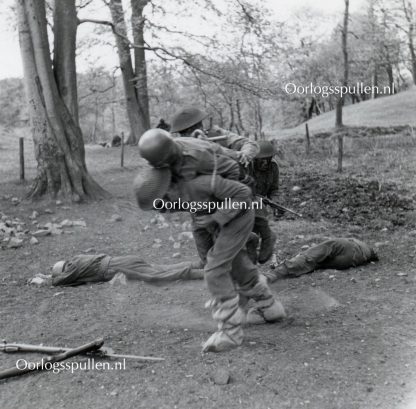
(338, 254)
(84, 269)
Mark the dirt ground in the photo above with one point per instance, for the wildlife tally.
(351, 339)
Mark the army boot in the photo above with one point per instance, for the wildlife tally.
(268, 240)
(266, 307)
(276, 273)
(251, 246)
(229, 335)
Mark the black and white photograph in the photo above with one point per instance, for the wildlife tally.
(208, 204)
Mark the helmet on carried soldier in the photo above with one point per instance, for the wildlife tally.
(151, 184)
(186, 117)
(266, 150)
(156, 146)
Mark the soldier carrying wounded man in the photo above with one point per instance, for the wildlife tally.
(188, 122)
(228, 271)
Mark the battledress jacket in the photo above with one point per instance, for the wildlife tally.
(236, 143)
(199, 157)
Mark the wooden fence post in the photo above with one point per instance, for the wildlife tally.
(22, 157)
(122, 149)
(340, 150)
(308, 140)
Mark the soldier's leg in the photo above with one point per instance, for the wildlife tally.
(251, 246)
(305, 262)
(252, 285)
(231, 239)
(268, 237)
(203, 241)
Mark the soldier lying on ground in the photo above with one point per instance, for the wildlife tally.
(84, 269)
(337, 254)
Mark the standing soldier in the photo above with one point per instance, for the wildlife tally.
(265, 172)
(228, 270)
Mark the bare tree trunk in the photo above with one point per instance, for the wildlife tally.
(58, 141)
(65, 33)
(338, 114)
(94, 129)
(389, 70)
(113, 114)
(239, 117)
(232, 120)
(340, 151)
(123, 48)
(412, 52)
(340, 103)
(140, 67)
(259, 117)
(374, 82)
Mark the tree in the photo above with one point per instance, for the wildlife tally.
(123, 48)
(59, 147)
(64, 35)
(409, 13)
(340, 103)
(140, 67)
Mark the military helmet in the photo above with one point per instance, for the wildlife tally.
(186, 117)
(58, 268)
(156, 146)
(266, 150)
(151, 184)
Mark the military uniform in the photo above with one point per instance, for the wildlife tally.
(236, 143)
(339, 254)
(266, 184)
(227, 263)
(199, 157)
(267, 181)
(228, 227)
(85, 269)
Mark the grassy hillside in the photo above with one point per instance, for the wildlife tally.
(399, 109)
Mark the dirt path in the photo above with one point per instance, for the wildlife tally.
(350, 342)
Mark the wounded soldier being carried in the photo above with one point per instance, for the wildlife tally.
(338, 254)
(84, 269)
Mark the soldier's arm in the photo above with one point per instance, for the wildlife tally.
(242, 144)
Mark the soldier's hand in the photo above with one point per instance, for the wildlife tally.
(203, 221)
(199, 134)
(243, 159)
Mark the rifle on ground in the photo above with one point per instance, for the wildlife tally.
(101, 352)
(39, 365)
(277, 206)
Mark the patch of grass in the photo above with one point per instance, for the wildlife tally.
(394, 110)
